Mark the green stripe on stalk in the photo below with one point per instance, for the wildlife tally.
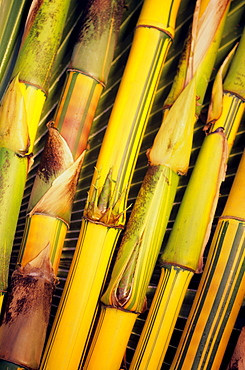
(223, 303)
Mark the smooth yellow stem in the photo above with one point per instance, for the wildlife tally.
(152, 39)
(161, 318)
(221, 290)
(217, 302)
(79, 301)
(41, 230)
(102, 357)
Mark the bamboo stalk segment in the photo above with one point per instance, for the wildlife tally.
(78, 326)
(221, 291)
(190, 234)
(77, 107)
(11, 16)
(21, 109)
(27, 308)
(168, 298)
(105, 209)
(64, 150)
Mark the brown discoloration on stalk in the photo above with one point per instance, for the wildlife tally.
(31, 17)
(62, 188)
(56, 157)
(94, 23)
(5, 164)
(24, 324)
(238, 358)
(146, 192)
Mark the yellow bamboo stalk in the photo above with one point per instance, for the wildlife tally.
(222, 288)
(104, 214)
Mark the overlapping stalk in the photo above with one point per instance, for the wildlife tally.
(169, 157)
(20, 113)
(222, 287)
(104, 214)
(11, 14)
(22, 337)
(182, 255)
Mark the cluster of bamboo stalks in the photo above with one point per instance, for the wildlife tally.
(118, 246)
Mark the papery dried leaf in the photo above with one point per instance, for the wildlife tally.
(55, 160)
(208, 25)
(57, 201)
(216, 104)
(172, 144)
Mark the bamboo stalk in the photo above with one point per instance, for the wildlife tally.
(138, 252)
(104, 215)
(182, 255)
(65, 150)
(27, 311)
(11, 16)
(20, 112)
(221, 291)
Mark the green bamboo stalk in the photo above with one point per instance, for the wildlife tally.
(11, 16)
(182, 255)
(104, 217)
(27, 91)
